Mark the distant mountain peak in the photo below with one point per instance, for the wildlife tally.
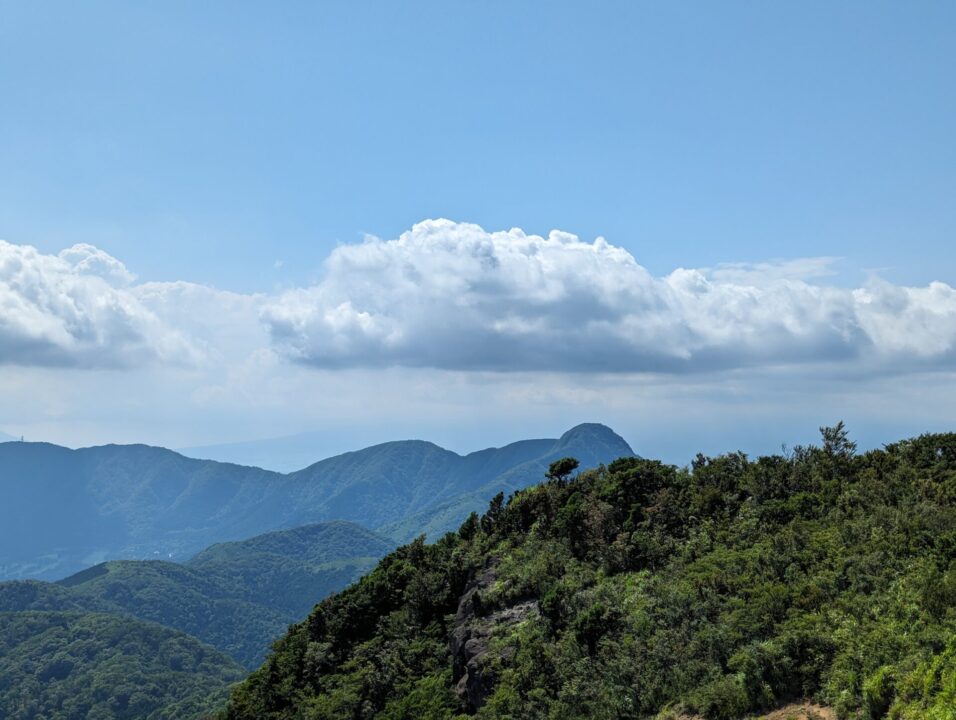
(412, 444)
(589, 429)
(595, 434)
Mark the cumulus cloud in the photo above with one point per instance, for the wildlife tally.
(454, 296)
(79, 308)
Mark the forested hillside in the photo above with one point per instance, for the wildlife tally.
(289, 571)
(105, 667)
(643, 590)
(138, 502)
(237, 597)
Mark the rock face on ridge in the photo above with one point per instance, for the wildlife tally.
(470, 643)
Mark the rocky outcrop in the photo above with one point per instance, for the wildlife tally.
(470, 640)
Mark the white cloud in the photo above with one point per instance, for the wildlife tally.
(453, 296)
(78, 308)
(903, 320)
(576, 325)
(84, 259)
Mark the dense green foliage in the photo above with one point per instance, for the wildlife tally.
(103, 667)
(291, 570)
(135, 502)
(645, 590)
(237, 597)
(212, 610)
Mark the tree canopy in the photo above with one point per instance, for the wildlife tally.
(642, 589)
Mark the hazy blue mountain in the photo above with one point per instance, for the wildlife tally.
(67, 509)
(79, 665)
(237, 597)
(4, 437)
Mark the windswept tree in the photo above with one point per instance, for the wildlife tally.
(560, 470)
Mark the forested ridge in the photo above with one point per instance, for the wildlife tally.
(639, 590)
(237, 596)
(63, 665)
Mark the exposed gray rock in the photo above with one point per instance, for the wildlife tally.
(470, 640)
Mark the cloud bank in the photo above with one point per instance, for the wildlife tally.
(455, 297)
(79, 308)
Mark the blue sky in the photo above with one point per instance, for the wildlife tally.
(237, 145)
(206, 141)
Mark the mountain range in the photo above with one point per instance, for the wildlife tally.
(66, 509)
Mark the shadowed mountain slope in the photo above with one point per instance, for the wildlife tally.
(237, 597)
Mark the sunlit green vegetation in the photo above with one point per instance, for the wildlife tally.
(641, 590)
